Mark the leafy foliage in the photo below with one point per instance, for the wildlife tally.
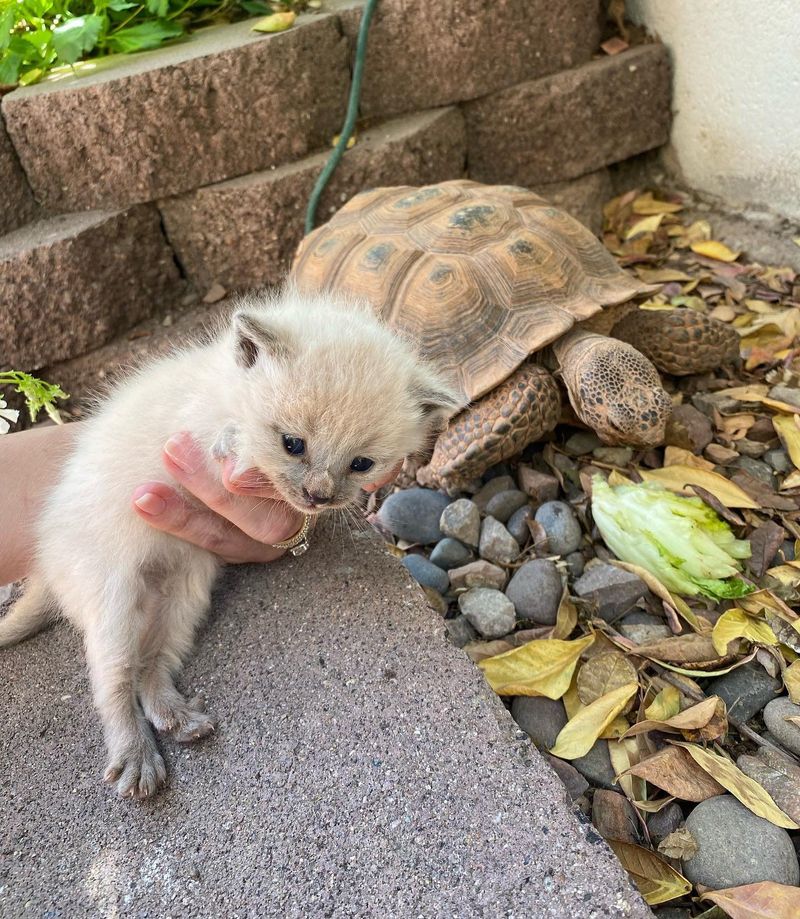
(39, 36)
(38, 395)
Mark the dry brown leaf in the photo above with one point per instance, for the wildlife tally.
(741, 786)
(690, 648)
(677, 478)
(705, 721)
(647, 204)
(566, 618)
(645, 225)
(657, 881)
(478, 651)
(765, 900)
(680, 844)
(580, 733)
(677, 456)
(674, 771)
(602, 673)
(538, 668)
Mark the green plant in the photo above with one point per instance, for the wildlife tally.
(37, 393)
(38, 36)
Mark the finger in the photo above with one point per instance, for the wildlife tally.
(390, 477)
(263, 519)
(166, 510)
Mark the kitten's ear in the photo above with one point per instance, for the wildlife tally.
(438, 400)
(254, 335)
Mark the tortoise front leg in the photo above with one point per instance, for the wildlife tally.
(521, 410)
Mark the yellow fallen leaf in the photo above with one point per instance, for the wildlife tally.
(676, 478)
(647, 204)
(677, 456)
(603, 673)
(645, 225)
(755, 392)
(657, 881)
(567, 617)
(571, 699)
(791, 481)
(778, 406)
(764, 900)
(749, 792)
(624, 754)
(579, 734)
(791, 680)
(661, 275)
(735, 623)
(277, 22)
(787, 574)
(666, 704)
(690, 719)
(789, 433)
(542, 667)
(616, 730)
(716, 250)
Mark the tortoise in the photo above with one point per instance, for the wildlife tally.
(500, 288)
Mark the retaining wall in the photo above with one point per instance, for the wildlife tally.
(192, 165)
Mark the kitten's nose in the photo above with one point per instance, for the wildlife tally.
(316, 499)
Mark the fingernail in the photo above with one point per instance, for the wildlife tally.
(179, 449)
(151, 504)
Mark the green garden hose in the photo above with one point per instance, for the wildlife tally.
(350, 117)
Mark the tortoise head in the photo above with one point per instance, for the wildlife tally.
(614, 389)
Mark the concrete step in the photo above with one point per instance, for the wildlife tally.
(571, 123)
(244, 232)
(361, 768)
(70, 283)
(227, 102)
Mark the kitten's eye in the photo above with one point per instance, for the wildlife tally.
(294, 445)
(362, 464)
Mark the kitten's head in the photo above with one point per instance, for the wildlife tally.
(332, 399)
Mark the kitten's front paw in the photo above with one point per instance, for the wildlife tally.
(137, 770)
(225, 444)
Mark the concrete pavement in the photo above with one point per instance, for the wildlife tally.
(361, 767)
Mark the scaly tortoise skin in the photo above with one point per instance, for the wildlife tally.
(483, 278)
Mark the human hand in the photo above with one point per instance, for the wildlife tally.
(239, 520)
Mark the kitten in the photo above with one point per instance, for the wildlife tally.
(320, 396)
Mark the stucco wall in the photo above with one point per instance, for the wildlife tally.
(736, 131)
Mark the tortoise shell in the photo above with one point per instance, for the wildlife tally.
(479, 276)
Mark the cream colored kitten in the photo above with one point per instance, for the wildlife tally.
(317, 394)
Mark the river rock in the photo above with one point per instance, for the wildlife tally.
(517, 526)
(736, 847)
(614, 456)
(614, 590)
(541, 718)
(478, 574)
(786, 732)
(664, 822)
(582, 442)
(642, 627)
(538, 485)
(496, 543)
(461, 520)
(503, 505)
(573, 781)
(778, 459)
(535, 590)
(414, 514)
(561, 526)
(596, 766)
(746, 690)
(688, 429)
(614, 816)
(460, 631)
(783, 393)
(489, 611)
(756, 468)
(426, 573)
(450, 553)
(491, 488)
